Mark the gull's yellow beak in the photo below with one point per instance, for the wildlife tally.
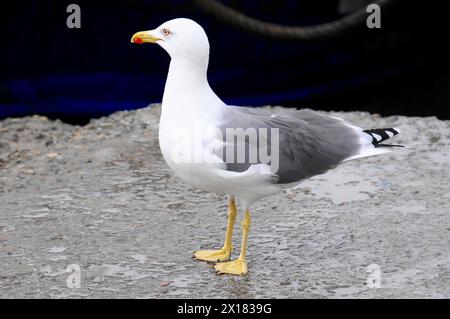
(143, 37)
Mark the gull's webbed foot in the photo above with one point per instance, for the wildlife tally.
(213, 255)
(235, 267)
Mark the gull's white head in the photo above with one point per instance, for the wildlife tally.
(181, 38)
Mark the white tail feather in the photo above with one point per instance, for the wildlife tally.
(369, 151)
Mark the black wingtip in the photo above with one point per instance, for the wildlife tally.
(390, 145)
(381, 134)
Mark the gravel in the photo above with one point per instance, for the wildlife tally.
(99, 199)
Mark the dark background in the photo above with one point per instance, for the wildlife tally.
(77, 74)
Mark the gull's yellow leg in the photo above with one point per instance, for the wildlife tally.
(238, 266)
(225, 252)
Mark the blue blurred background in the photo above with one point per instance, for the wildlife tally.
(78, 74)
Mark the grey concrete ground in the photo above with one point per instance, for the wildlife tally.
(100, 196)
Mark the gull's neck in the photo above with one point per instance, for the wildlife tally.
(187, 90)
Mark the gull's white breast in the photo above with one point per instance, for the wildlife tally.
(188, 142)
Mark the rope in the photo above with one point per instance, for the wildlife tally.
(278, 31)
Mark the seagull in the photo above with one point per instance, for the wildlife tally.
(244, 153)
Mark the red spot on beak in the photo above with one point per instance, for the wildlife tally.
(138, 40)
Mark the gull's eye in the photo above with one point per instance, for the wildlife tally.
(166, 32)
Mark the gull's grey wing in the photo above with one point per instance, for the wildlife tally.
(310, 143)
